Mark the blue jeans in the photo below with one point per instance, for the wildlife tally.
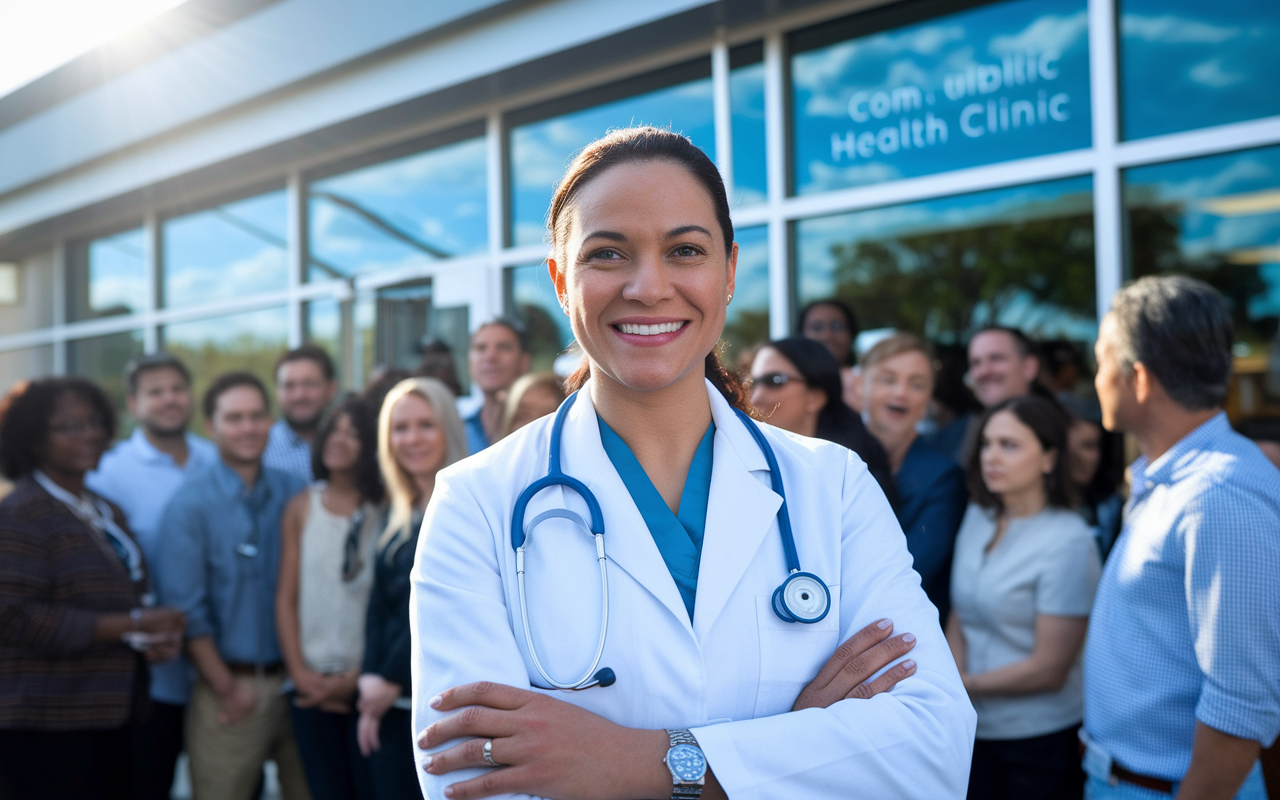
(1099, 789)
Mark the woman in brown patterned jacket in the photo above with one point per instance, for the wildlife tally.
(75, 624)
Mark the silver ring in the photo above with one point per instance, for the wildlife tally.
(487, 751)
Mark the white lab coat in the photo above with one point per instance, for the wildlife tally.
(732, 675)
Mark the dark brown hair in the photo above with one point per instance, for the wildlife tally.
(1049, 423)
(24, 419)
(368, 477)
(628, 146)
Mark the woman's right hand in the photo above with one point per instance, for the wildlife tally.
(846, 673)
(377, 694)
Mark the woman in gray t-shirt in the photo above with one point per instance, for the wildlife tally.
(1023, 578)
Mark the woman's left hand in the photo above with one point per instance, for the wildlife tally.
(548, 747)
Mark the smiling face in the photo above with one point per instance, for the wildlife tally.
(645, 275)
(240, 425)
(897, 394)
(342, 446)
(162, 402)
(495, 358)
(77, 437)
(997, 368)
(417, 439)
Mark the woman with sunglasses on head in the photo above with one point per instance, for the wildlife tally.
(669, 650)
(1022, 582)
(419, 434)
(795, 386)
(326, 572)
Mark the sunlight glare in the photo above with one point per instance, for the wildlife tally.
(38, 36)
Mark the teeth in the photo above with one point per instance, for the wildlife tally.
(650, 330)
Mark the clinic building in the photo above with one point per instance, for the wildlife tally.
(245, 175)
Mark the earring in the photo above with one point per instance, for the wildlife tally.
(730, 300)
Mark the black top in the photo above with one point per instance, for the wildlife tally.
(387, 645)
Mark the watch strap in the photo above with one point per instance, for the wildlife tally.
(685, 791)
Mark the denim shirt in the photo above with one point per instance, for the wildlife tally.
(220, 556)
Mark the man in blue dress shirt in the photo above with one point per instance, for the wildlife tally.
(140, 474)
(1182, 661)
(305, 385)
(498, 355)
(218, 563)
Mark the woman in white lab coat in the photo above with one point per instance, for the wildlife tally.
(643, 260)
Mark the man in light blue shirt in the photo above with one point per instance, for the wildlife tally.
(219, 559)
(1182, 661)
(305, 385)
(140, 474)
(498, 355)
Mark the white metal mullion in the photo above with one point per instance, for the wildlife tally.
(1201, 142)
(1108, 207)
(295, 252)
(151, 264)
(722, 104)
(776, 169)
(495, 174)
(60, 307)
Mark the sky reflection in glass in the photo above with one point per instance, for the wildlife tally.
(225, 252)
(1189, 63)
(1216, 219)
(400, 213)
(994, 83)
(540, 151)
(107, 276)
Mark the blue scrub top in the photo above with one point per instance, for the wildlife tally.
(678, 536)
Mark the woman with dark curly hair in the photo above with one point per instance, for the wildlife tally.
(76, 629)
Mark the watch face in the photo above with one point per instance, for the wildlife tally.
(686, 763)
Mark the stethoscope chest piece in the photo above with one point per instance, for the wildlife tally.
(802, 597)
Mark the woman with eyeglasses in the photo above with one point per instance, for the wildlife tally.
(795, 385)
(326, 572)
(77, 626)
(833, 323)
(419, 434)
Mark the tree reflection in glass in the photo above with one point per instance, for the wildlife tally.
(944, 268)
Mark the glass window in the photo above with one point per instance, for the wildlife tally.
(530, 297)
(1021, 257)
(1190, 63)
(224, 252)
(107, 276)
(746, 98)
(101, 359)
(1218, 219)
(26, 364)
(251, 341)
(875, 98)
(540, 150)
(419, 208)
(747, 321)
(322, 326)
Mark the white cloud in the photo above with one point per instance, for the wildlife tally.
(1047, 33)
(1172, 29)
(825, 177)
(1210, 73)
(1222, 182)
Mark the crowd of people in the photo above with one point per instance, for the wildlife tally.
(245, 597)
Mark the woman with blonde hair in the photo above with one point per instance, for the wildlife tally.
(419, 434)
(532, 397)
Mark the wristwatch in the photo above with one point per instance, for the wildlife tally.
(687, 764)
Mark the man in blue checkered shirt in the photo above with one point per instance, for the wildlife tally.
(1182, 661)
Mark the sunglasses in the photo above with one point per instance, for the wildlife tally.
(352, 564)
(774, 380)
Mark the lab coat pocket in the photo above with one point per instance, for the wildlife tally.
(791, 653)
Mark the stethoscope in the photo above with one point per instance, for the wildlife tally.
(802, 597)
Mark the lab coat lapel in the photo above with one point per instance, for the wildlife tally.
(741, 511)
(627, 540)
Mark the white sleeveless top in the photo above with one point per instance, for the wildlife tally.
(331, 609)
